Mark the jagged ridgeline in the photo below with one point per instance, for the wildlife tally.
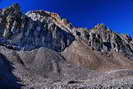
(45, 29)
(45, 50)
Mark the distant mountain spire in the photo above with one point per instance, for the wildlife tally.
(15, 8)
(101, 26)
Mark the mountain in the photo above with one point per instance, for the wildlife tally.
(41, 50)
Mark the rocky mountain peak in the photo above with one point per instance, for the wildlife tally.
(32, 30)
(47, 29)
(101, 26)
(103, 39)
(14, 9)
(41, 15)
(15, 6)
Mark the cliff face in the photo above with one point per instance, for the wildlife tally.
(34, 30)
(45, 29)
(45, 48)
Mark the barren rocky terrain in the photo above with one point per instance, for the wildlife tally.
(41, 50)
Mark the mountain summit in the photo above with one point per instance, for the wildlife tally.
(45, 51)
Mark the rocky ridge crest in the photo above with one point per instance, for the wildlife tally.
(42, 28)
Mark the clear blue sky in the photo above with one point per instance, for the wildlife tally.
(116, 14)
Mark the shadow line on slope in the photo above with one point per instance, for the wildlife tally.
(7, 79)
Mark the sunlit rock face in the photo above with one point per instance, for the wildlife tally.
(41, 50)
(34, 30)
(103, 39)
